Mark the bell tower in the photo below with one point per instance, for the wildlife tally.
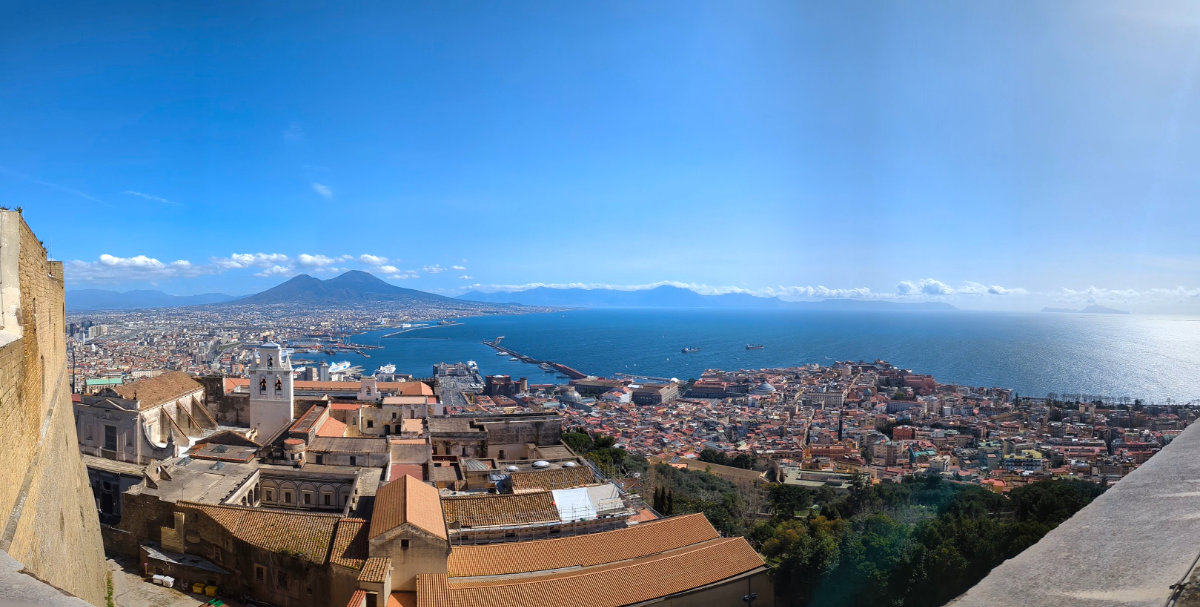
(271, 395)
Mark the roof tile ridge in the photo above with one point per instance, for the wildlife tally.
(582, 570)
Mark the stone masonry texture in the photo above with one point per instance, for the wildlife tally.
(47, 512)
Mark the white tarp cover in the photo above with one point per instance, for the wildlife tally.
(574, 504)
(605, 498)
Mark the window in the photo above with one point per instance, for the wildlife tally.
(270, 495)
(287, 497)
(393, 415)
(404, 544)
(110, 437)
(370, 423)
(353, 461)
(260, 573)
(281, 579)
(320, 459)
(279, 385)
(328, 497)
(307, 498)
(262, 385)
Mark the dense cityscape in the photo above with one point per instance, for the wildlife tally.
(843, 419)
(594, 304)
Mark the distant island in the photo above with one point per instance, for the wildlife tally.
(1092, 309)
(667, 296)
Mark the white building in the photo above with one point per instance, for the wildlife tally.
(272, 399)
(153, 418)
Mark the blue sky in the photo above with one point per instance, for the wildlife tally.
(993, 154)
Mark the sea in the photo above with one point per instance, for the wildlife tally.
(1153, 358)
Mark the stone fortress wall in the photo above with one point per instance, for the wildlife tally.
(48, 519)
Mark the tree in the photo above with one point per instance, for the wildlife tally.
(787, 500)
(579, 442)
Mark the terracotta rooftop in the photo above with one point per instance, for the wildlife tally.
(306, 421)
(407, 501)
(358, 599)
(403, 388)
(332, 428)
(402, 599)
(159, 389)
(350, 543)
(492, 509)
(375, 570)
(556, 478)
(397, 471)
(584, 550)
(611, 585)
(309, 535)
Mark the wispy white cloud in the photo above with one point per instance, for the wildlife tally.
(319, 261)
(323, 190)
(387, 269)
(433, 269)
(293, 133)
(465, 277)
(151, 197)
(276, 271)
(1095, 294)
(51, 185)
(373, 260)
(405, 275)
(929, 287)
(250, 260)
(139, 267)
(925, 288)
(458, 268)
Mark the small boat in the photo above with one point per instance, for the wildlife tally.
(690, 350)
(513, 358)
(754, 346)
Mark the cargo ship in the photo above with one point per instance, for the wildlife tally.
(754, 346)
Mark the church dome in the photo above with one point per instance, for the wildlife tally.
(764, 388)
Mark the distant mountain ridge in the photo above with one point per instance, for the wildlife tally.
(101, 299)
(677, 297)
(352, 288)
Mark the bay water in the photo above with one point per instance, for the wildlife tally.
(1154, 358)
